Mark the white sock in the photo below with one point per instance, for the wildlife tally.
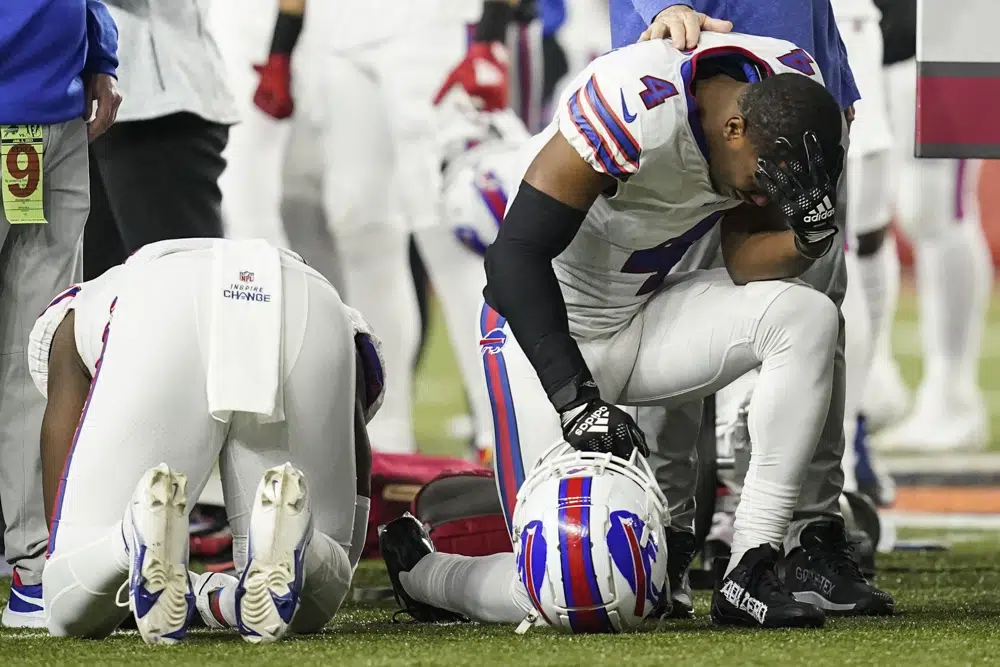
(879, 274)
(80, 587)
(954, 273)
(376, 268)
(362, 510)
(479, 588)
(789, 408)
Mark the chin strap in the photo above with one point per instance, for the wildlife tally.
(531, 619)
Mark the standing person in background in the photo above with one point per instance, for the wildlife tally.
(60, 57)
(937, 205)
(159, 167)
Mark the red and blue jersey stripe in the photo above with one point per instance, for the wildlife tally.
(593, 139)
(613, 145)
(624, 141)
(66, 294)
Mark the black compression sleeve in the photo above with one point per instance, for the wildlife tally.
(522, 287)
(492, 27)
(286, 33)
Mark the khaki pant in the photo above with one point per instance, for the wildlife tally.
(36, 262)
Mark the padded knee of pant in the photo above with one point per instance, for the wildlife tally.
(808, 315)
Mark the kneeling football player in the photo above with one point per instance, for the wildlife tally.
(195, 352)
(582, 313)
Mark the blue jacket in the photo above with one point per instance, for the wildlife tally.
(45, 48)
(806, 23)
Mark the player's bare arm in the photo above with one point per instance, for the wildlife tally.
(757, 245)
(68, 384)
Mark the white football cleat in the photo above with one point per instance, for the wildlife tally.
(280, 530)
(156, 530)
(938, 426)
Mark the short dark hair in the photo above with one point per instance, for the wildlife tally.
(789, 105)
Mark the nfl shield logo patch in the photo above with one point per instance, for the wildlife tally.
(246, 276)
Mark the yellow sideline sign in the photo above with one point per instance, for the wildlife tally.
(21, 148)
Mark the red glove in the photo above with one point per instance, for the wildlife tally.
(483, 75)
(274, 92)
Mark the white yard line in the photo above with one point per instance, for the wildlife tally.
(945, 521)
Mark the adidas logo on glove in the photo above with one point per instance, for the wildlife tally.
(822, 212)
(596, 422)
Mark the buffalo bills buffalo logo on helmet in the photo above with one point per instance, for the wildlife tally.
(531, 554)
(493, 341)
(633, 560)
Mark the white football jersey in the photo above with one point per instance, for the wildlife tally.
(336, 26)
(631, 115)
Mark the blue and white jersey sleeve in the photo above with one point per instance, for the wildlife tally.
(612, 117)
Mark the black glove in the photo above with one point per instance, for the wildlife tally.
(805, 193)
(597, 426)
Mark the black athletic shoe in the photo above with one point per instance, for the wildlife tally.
(751, 596)
(823, 571)
(680, 553)
(403, 542)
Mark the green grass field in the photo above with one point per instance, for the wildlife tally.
(948, 605)
(948, 602)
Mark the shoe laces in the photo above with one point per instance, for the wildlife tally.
(763, 577)
(836, 552)
(120, 600)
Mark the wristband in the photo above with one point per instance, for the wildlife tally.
(286, 33)
(814, 250)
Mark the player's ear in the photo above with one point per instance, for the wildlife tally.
(735, 129)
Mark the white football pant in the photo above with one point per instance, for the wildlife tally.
(148, 404)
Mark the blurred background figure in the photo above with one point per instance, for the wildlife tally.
(360, 165)
(59, 61)
(937, 207)
(155, 175)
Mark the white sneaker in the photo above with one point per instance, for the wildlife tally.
(26, 606)
(935, 426)
(156, 530)
(280, 530)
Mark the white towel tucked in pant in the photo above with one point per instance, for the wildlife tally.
(244, 358)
